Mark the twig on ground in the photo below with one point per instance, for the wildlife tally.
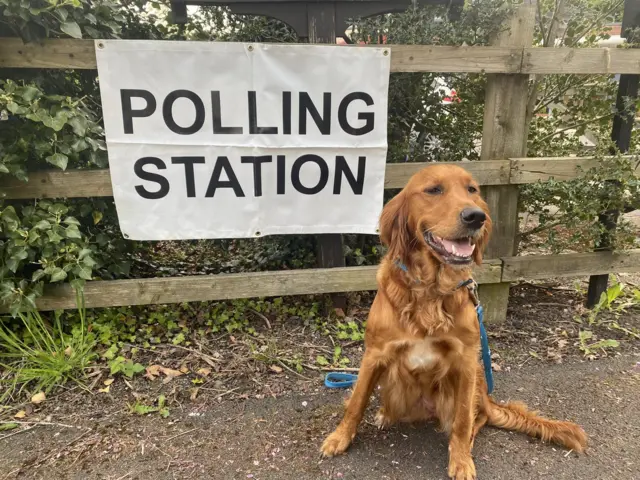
(221, 394)
(284, 365)
(4, 437)
(35, 424)
(204, 356)
(258, 314)
(330, 369)
(180, 434)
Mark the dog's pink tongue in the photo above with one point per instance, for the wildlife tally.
(461, 248)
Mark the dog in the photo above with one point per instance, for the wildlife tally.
(422, 338)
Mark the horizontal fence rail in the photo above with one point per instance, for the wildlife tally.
(517, 171)
(80, 54)
(194, 288)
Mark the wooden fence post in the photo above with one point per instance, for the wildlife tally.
(504, 136)
(322, 29)
(623, 125)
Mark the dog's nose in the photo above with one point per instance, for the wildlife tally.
(473, 217)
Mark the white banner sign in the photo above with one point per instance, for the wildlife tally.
(229, 140)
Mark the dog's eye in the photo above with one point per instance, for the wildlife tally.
(437, 190)
(472, 189)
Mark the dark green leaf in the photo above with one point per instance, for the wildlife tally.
(58, 275)
(37, 275)
(71, 221)
(83, 272)
(60, 160)
(71, 28)
(29, 93)
(72, 232)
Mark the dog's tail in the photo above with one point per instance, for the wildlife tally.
(515, 416)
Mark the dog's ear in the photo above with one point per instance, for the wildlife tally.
(394, 227)
(484, 240)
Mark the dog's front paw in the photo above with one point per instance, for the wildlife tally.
(381, 420)
(336, 443)
(462, 468)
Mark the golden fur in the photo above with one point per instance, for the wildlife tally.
(422, 338)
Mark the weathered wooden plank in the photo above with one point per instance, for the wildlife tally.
(227, 286)
(532, 170)
(53, 53)
(494, 172)
(80, 54)
(438, 58)
(580, 60)
(58, 184)
(503, 135)
(97, 183)
(569, 265)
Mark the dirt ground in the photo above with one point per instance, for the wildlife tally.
(253, 419)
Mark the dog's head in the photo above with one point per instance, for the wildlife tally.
(441, 213)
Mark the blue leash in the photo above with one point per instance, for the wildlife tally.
(339, 380)
(345, 380)
(486, 351)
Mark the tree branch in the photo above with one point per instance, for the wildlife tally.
(576, 125)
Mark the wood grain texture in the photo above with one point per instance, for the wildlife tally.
(505, 58)
(504, 132)
(534, 267)
(59, 184)
(228, 286)
(495, 172)
(532, 170)
(52, 53)
(580, 60)
(97, 183)
(516, 171)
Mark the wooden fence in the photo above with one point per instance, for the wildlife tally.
(509, 62)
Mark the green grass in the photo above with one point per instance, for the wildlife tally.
(43, 356)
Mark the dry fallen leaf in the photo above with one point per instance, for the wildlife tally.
(68, 351)
(275, 368)
(38, 398)
(155, 370)
(204, 371)
(108, 381)
(184, 369)
(105, 389)
(20, 414)
(194, 393)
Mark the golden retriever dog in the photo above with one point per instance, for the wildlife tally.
(422, 339)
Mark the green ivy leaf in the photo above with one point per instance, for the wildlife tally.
(71, 28)
(72, 232)
(37, 275)
(42, 225)
(58, 275)
(10, 218)
(71, 221)
(79, 125)
(83, 272)
(53, 236)
(60, 160)
(58, 209)
(29, 93)
(12, 264)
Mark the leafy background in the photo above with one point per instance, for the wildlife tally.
(52, 119)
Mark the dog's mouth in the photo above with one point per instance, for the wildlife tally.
(458, 251)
